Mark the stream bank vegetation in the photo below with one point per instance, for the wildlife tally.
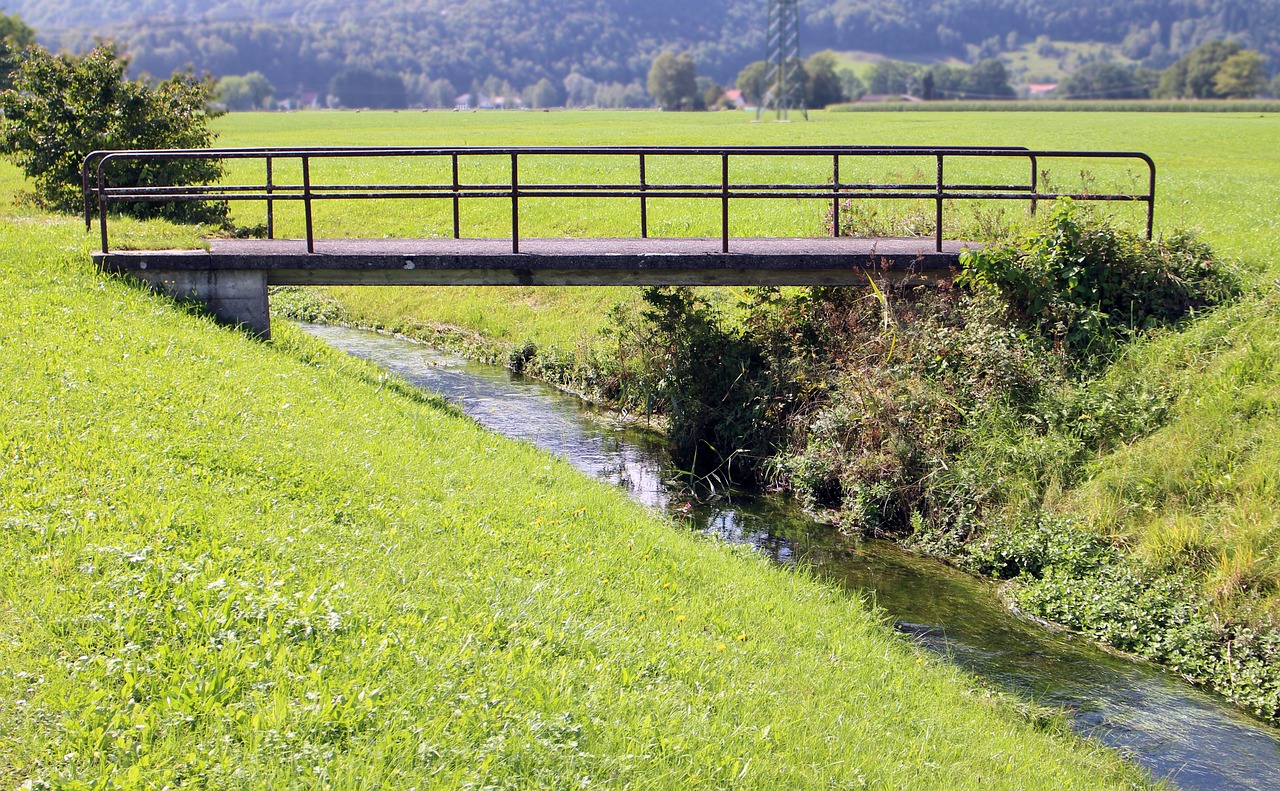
(233, 564)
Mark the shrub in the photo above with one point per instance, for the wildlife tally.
(61, 108)
(1088, 286)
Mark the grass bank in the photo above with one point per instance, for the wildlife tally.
(231, 564)
(1163, 478)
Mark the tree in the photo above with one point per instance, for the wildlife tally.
(1241, 76)
(673, 81)
(579, 91)
(948, 81)
(543, 94)
(753, 81)
(1275, 86)
(250, 92)
(988, 79)
(852, 85)
(15, 36)
(928, 87)
(1101, 80)
(62, 107)
(1202, 67)
(823, 86)
(361, 87)
(890, 76)
(441, 93)
(1192, 77)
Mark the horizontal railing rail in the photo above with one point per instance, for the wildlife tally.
(101, 193)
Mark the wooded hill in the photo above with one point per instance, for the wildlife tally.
(302, 45)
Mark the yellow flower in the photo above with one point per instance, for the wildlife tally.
(742, 638)
(679, 619)
(720, 647)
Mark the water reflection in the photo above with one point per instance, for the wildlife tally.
(1175, 730)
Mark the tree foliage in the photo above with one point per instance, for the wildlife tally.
(301, 46)
(1102, 80)
(251, 91)
(15, 36)
(1193, 77)
(753, 81)
(823, 85)
(673, 81)
(61, 108)
(361, 87)
(1241, 76)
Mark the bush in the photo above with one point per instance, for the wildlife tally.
(61, 108)
(1088, 286)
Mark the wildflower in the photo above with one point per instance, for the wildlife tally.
(742, 638)
(720, 647)
(679, 619)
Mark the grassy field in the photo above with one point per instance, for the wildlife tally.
(233, 564)
(1202, 491)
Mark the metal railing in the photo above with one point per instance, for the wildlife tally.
(101, 193)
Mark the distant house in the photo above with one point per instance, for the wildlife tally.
(1038, 90)
(735, 96)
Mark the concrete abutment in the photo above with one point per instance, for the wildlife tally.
(235, 297)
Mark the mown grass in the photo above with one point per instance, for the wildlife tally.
(1199, 491)
(231, 564)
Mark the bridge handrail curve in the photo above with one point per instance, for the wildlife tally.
(94, 175)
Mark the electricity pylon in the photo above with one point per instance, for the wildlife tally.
(785, 83)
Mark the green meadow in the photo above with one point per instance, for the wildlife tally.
(234, 564)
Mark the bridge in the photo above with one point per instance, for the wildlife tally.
(233, 275)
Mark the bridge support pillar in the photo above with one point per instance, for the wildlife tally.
(236, 297)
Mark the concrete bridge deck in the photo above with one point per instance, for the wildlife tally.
(233, 275)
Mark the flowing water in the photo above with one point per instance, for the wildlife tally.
(1194, 739)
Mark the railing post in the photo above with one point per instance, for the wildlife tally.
(644, 202)
(835, 202)
(102, 204)
(724, 202)
(306, 202)
(271, 204)
(515, 203)
(457, 202)
(1151, 203)
(938, 219)
(88, 203)
(1035, 185)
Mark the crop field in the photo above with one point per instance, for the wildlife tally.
(234, 564)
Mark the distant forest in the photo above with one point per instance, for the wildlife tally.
(300, 45)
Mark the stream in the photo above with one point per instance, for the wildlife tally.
(1193, 738)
